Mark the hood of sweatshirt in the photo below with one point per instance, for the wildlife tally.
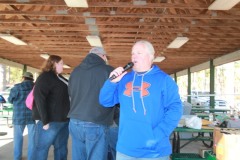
(91, 61)
(26, 85)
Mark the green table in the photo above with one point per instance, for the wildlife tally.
(202, 115)
(206, 115)
(8, 110)
(200, 137)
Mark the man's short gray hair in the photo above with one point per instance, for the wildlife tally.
(98, 50)
(148, 45)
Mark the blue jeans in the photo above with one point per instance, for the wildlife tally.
(56, 135)
(113, 137)
(18, 140)
(121, 156)
(89, 140)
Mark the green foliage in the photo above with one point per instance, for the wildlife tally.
(237, 79)
(15, 75)
(227, 82)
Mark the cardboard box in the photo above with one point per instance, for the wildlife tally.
(216, 136)
(226, 143)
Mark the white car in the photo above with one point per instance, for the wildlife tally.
(199, 101)
(199, 98)
(219, 104)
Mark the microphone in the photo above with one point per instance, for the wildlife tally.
(125, 68)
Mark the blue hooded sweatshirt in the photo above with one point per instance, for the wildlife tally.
(150, 109)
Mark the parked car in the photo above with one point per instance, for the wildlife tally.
(202, 98)
(218, 104)
(199, 101)
(199, 98)
(5, 94)
(2, 99)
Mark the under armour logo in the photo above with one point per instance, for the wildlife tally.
(142, 89)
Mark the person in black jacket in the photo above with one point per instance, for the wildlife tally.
(89, 121)
(51, 105)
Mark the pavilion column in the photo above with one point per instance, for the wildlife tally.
(189, 85)
(212, 84)
(24, 68)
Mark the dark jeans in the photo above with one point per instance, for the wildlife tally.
(89, 140)
(113, 136)
(56, 135)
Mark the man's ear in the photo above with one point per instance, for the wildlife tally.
(152, 57)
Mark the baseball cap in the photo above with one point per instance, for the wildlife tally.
(98, 50)
(28, 75)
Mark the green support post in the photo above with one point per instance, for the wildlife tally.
(189, 86)
(24, 68)
(175, 77)
(212, 84)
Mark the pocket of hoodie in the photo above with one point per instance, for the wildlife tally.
(161, 139)
(138, 135)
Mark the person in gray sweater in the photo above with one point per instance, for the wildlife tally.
(89, 121)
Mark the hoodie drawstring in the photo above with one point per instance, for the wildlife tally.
(143, 105)
(141, 94)
(133, 102)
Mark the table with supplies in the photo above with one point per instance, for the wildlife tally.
(201, 136)
(203, 133)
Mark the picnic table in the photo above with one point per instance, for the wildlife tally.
(199, 137)
(206, 115)
(6, 113)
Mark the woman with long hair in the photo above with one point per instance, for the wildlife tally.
(50, 109)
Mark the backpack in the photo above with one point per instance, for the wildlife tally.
(30, 99)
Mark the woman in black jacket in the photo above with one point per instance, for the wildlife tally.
(50, 109)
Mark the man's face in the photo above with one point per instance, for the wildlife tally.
(141, 58)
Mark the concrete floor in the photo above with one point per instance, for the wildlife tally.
(6, 145)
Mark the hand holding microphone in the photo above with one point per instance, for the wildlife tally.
(118, 71)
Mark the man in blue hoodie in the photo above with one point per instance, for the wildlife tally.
(150, 106)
